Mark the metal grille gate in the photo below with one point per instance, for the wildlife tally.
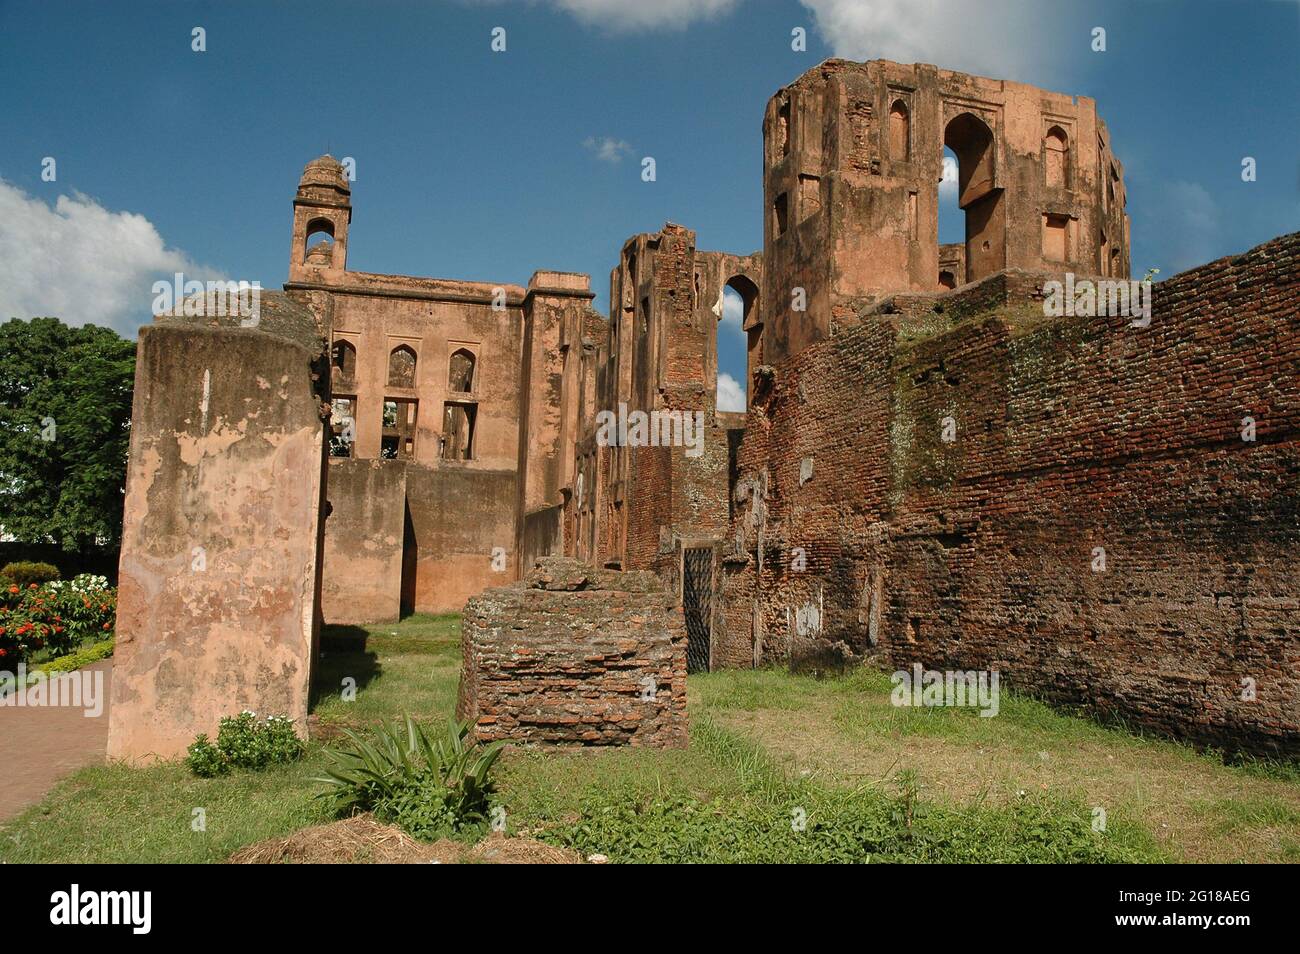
(697, 603)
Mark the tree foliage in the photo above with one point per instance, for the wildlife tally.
(65, 410)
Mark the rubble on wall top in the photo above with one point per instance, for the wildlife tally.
(279, 315)
(566, 573)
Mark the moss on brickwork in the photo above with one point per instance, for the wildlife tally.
(1075, 435)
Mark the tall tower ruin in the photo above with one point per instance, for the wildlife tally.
(853, 157)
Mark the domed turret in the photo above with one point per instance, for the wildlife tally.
(325, 172)
(320, 255)
(322, 207)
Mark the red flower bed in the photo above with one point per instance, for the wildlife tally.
(55, 616)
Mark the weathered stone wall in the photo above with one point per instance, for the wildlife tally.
(578, 656)
(543, 535)
(363, 541)
(1072, 434)
(556, 309)
(520, 397)
(464, 533)
(218, 601)
(853, 153)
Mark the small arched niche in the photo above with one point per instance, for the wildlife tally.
(1056, 158)
(401, 367)
(460, 371)
(900, 133)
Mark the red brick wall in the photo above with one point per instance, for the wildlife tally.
(575, 655)
(650, 485)
(1072, 434)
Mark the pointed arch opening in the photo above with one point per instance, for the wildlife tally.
(738, 344)
(460, 371)
(343, 363)
(318, 243)
(1056, 158)
(401, 367)
(975, 150)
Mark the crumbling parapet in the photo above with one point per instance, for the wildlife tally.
(575, 655)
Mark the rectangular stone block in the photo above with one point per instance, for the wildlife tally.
(578, 656)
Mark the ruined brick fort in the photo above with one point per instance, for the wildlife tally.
(931, 468)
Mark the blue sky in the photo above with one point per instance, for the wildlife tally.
(480, 165)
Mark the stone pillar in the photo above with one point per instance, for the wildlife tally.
(218, 606)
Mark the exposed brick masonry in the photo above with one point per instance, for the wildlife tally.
(575, 655)
(1072, 434)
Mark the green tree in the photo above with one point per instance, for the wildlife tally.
(65, 412)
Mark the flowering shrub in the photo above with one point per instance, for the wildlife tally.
(243, 742)
(55, 616)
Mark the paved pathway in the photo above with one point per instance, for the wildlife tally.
(38, 746)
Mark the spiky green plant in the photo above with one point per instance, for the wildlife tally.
(430, 786)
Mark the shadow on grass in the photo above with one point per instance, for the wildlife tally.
(343, 654)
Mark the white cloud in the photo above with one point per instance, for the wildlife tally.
(948, 182)
(733, 310)
(997, 38)
(631, 15)
(731, 396)
(82, 263)
(607, 149)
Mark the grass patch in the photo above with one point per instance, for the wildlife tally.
(759, 815)
(848, 735)
(116, 814)
(82, 656)
(394, 668)
(1232, 815)
(768, 689)
(780, 768)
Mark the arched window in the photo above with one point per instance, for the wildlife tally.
(974, 152)
(343, 357)
(322, 252)
(460, 374)
(737, 328)
(1056, 157)
(401, 367)
(899, 131)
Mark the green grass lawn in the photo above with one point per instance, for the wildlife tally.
(780, 767)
